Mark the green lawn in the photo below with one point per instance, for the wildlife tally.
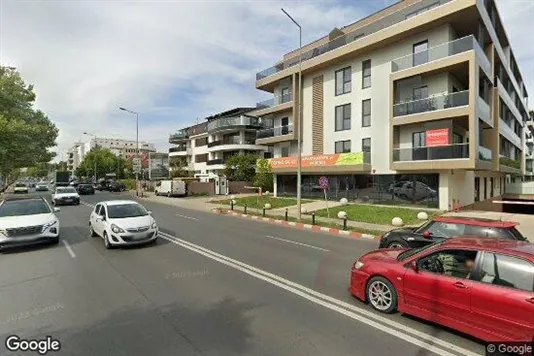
(256, 202)
(376, 214)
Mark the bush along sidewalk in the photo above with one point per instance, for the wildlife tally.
(312, 223)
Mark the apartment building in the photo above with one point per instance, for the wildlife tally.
(206, 146)
(421, 102)
(529, 148)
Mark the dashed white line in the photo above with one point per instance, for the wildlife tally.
(296, 243)
(186, 217)
(69, 249)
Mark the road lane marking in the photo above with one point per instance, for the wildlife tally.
(296, 243)
(67, 246)
(186, 217)
(429, 342)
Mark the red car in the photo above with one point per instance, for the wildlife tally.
(482, 287)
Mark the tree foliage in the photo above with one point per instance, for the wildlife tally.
(263, 177)
(26, 134)
(106, 162)
(178, 167)
(241, 168)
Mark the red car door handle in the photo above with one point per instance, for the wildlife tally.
(530, 300)
(460, 285)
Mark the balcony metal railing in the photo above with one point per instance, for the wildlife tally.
(213, 162)
(443, 50)
(275, 131)
(232, 141)
(454, 151)
(275, 101)
(178, 149)
(360, 33)
(432, 103)
(178, 136)
(230, 122)
(484, 154)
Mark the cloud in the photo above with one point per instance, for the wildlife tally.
(173, 61)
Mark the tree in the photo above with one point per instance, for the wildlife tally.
(264, 177)
(106, 162)
(26, 134)
(37, 171)
(241, 168)
(178, 165)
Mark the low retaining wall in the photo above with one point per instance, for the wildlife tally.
(195, 188)
(239, 187)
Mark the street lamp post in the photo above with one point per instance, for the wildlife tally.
(137, 144)
(88, 134)
(299, 120)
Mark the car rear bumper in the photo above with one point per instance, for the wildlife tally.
(130, 239)
(358, 281)
(12, 242)
(75, 201)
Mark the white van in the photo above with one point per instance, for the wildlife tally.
(170, 188)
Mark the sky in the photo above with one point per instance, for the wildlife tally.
(174, 62)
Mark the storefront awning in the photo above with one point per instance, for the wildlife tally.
(328, 163)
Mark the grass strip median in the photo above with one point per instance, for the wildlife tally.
(258, 202)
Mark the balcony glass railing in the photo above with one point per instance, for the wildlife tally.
(432, 103)
(213, 162)
(443, 50)
(484, 154)
(178, 149)
(232, 141)
(454, 151)
(275, 131)
(180, 135)
(509, 162)
(360, 33)
(275, 101)
(230, 122)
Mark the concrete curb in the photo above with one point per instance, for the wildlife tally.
(316, 228)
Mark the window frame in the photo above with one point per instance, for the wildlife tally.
(343, 143)
(474, 271)
(363, 146)
(368, 76)
(478, 266)
(366, 115)
(343, 118)
(344, 81)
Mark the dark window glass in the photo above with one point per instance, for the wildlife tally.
(343, 81)
(366, 74)
(366, 113)
(343, 117)
(24, 207)
(342, 146)
(506, 271)
(420, 53)
(451, 263)
(366, 144)
(420, 93)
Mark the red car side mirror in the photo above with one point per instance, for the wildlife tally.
(427, 234)
(414, 266)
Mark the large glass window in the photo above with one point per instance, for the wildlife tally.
(342, 146)
(420, 53)
(366, 74)
(507, 271)
(451, 263)
(343, 117)
(343, 81)
(366, 113)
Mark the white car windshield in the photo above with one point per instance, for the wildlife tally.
(126, 211)
(65, 190)
(23, 207)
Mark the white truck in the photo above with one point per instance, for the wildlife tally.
(170, 188)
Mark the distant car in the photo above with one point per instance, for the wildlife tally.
(116, 187)
(65, 195)
(122, 222)
(41, 187)
(444, 227)
(85, 189)
(478, 286)
(27, 220)
(20, 188)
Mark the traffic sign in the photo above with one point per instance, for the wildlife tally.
(136, 161)
(323, 182)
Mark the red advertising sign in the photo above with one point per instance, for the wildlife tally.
(438, 137)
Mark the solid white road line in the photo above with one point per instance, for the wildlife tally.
(69, 249)
(296, 243)
(421, 339)
(186, 217)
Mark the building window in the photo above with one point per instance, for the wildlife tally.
(491, 187)
(343, 117)
(284, 151)
(366, 113)
(366, 74)
(420, 93)
(342, 146)
(343, 81)
(285, 96)
(485, 188)
(366, 149)
(420, 53)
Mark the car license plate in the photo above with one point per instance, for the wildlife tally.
(68, 200)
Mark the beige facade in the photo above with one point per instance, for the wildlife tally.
(429, 87)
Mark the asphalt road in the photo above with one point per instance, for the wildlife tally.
(212, 285)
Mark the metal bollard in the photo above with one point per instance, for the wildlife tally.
(313, 218)
(345, 223)
(245, 208)
(263, 212)
(231, 205)
(287, 214)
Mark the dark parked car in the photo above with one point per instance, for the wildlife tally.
(444, 227)
(85, 189)
(116, 187)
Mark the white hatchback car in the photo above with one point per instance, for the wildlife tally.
(122, 222)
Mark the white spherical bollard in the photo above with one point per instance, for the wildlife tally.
(234, 202)
(397, 221)
(267, 206)
(267, 193)
(422, 216)
(232, 197)
(344, 201)
(342, 215)
(303, 211)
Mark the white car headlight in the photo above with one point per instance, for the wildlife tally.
(116, 229)
(154, 225)
(50, 224)
(358, 265)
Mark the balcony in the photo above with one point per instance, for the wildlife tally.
(213, 162)
(454, 151)
(180, 151)
(275, 131)
(234, 123)
(179, 136)
(432, 103)
(484, 154)
(231, 141)
(359, 34)
(510, 134)
(510, 163)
